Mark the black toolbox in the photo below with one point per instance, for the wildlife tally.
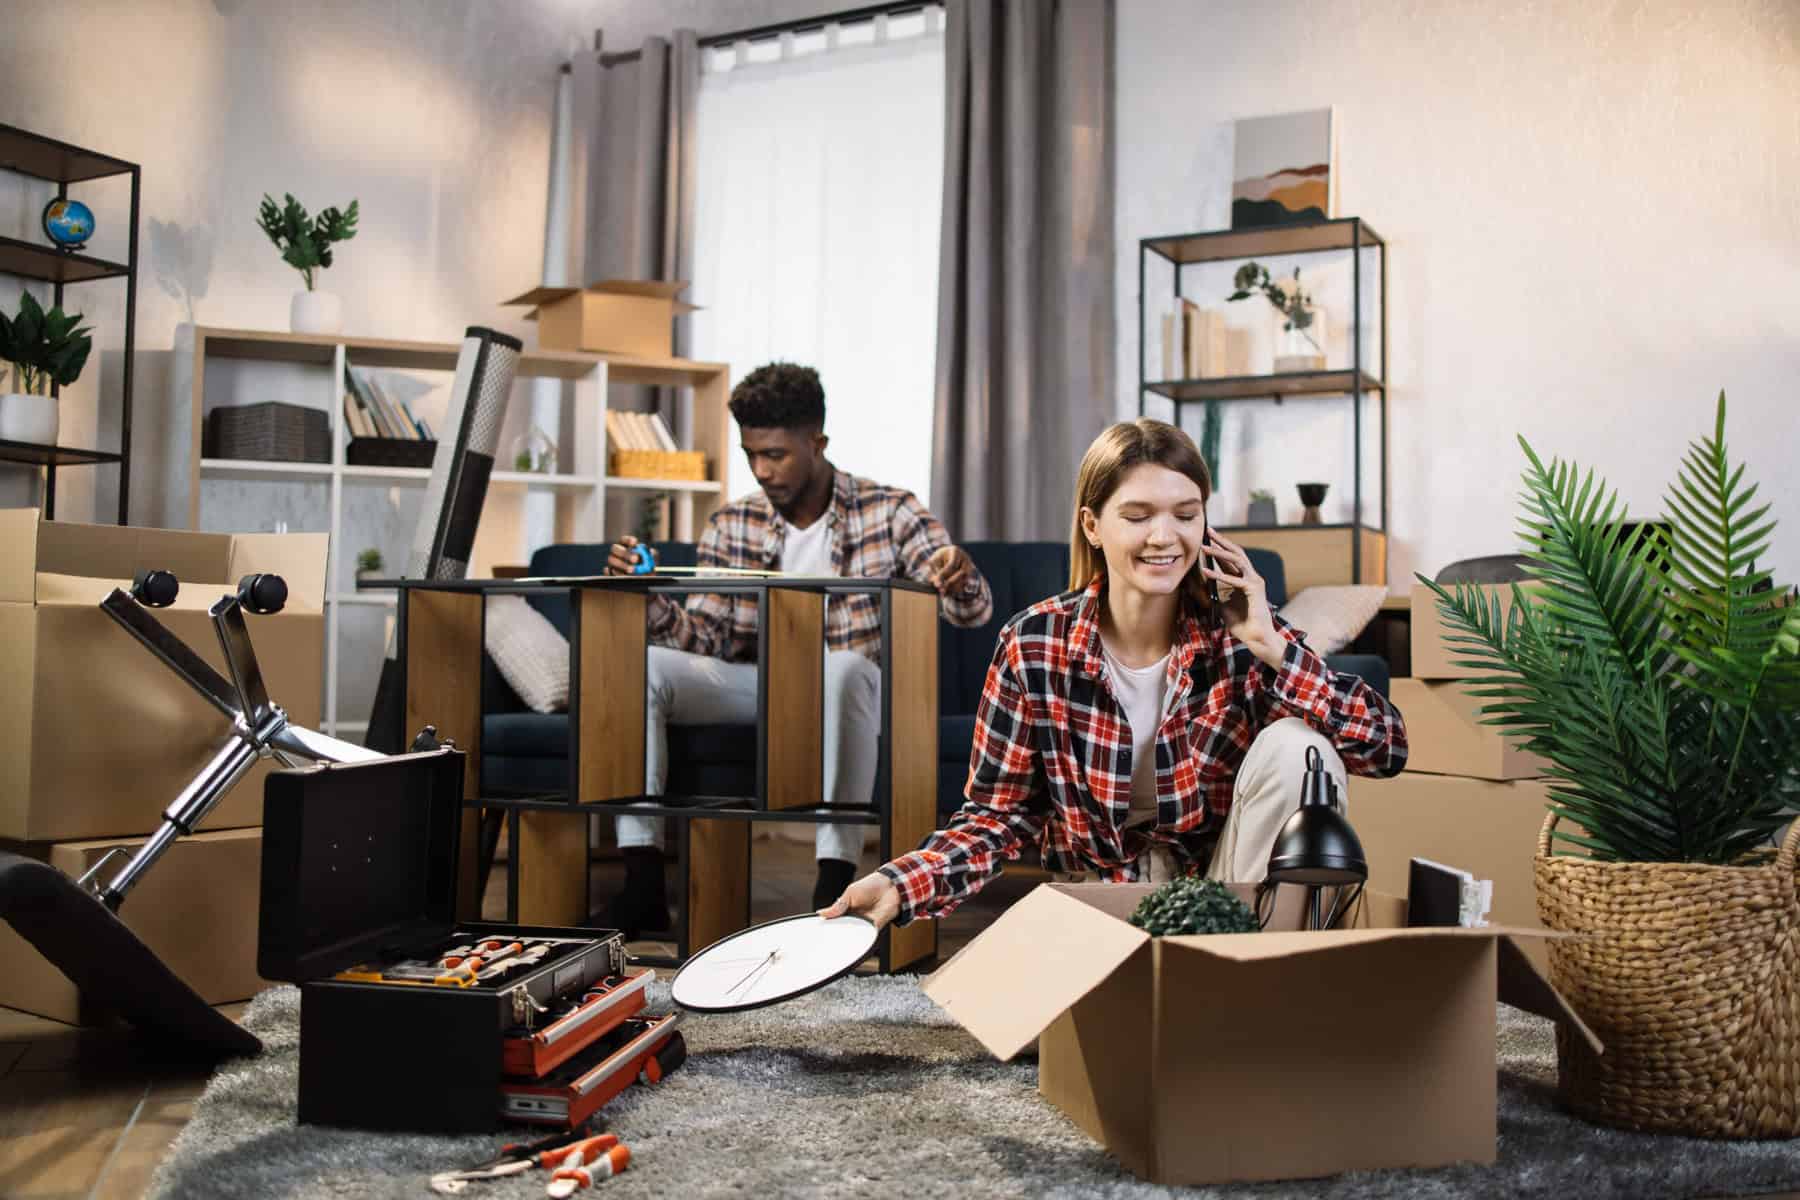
(359, 878)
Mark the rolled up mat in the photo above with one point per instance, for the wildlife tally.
(103, 958)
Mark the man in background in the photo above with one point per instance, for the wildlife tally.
(809, 518)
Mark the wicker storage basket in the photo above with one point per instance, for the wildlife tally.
(658, 464)
(268, 432)
(1689, 975)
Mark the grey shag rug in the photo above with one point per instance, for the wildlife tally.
(867, 1089)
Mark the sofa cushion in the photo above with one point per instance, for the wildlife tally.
(1019, 574)
(546, 735)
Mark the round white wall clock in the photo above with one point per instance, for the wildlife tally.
(772, 962)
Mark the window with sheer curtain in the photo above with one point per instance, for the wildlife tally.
(820, 179)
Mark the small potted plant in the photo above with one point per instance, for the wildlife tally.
(305, 245)
(369, 564)
(1301, 346)
(1262, 508)
(44, 348)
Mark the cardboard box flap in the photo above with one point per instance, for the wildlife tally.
(1523, 987)
(655, 289)
(1028, 967)
(541, 295)
(649, 289)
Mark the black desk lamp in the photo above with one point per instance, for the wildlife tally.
(1317, 848)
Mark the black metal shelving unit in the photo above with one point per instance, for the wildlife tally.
(1313, 237)
(26, 153)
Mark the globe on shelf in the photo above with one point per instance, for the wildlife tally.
(69, 223)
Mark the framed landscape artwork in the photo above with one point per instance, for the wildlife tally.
(1284, 169)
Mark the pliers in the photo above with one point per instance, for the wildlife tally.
(567, 1148)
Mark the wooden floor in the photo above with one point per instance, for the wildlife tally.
(88, 1113)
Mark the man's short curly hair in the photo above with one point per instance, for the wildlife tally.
(781, 395)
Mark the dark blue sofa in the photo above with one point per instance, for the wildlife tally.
(524, 752)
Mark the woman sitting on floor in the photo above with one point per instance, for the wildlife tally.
(1150, 722)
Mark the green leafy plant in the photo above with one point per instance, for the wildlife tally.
(650, 516)
(369, 561)
(305, 242)
(1659, 676)
(1262, 494)
(1193, 905)
(43, 347)
(1289, 298)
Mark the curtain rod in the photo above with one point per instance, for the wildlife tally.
(764, 32)
(848, 16)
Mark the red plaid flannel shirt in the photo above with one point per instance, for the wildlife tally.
(1052, 755)
(877, 532)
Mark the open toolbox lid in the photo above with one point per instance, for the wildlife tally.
(1062, 941)
(357, 857)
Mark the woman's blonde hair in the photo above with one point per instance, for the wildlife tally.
(1113, 454)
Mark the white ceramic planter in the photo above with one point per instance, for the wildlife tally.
(28, 418)
(316, 312)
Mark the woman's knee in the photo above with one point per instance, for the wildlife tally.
(1277, 755)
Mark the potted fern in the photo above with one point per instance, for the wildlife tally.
(1660, 678)
(43, 348)
(305, 245)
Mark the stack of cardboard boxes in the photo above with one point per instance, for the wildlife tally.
(1469, 797)
(97, 737)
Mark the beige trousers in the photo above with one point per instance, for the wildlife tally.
(1266, 792)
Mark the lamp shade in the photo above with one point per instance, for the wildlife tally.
(1317, 846)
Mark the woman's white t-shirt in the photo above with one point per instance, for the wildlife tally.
(1141, 692)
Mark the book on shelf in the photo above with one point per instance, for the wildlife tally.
(365, 405)
(664, 438)
(391, 412)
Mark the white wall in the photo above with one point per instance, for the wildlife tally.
(1594, 220)
(436, 116)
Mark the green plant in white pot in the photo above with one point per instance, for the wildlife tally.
(43, 348)
(1660, 679)
(305, 245)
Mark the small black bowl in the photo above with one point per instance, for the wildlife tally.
(1312, 494)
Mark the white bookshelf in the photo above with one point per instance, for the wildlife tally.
(524, 510)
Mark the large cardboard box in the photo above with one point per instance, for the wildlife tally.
(97, 735)
(1272, 1055)
(1432, 656)
(619, 316)
(1445, 736)
(196, 908)
(1487, 829)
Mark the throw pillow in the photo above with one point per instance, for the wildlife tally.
(1332, 615)
(533, 656)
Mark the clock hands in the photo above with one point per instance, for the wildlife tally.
(762, 965)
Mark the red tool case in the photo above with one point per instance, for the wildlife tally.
(572, 1027)
(638, 1046)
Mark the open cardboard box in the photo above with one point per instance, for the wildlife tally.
(97, 735)
(1273, 1055)
(620, 316)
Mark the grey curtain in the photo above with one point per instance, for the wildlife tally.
(1025, 282)
(631, 171)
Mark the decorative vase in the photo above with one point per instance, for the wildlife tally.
(1689, 974)
(25, 417)
(534, 451)
(1300, 347)
(316, 312)
(1262, 514)
(1312, 495)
